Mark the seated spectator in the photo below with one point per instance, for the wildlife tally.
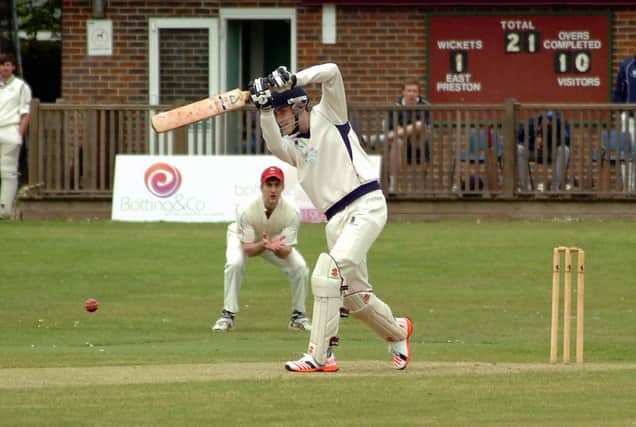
(540, 134)
(409, 127)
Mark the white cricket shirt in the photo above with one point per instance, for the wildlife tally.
(15, 100)
(251, 221)
(330, 161)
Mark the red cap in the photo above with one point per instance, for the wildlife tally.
(273, 172)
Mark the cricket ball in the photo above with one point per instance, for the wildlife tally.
(91, 305)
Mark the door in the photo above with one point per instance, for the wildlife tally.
(257, 40)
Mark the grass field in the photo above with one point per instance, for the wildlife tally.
(478, 293)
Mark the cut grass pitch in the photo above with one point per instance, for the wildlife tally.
(25, 378)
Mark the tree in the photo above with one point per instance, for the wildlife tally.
(40, 15)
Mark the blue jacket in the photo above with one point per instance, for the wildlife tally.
(625, 90)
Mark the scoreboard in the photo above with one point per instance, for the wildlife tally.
(533, 58)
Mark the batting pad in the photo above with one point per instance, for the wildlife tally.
(326, 283)
(376, 314)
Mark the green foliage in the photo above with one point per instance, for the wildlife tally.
(37, 16)
(479, 295)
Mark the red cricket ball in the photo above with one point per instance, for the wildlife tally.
(91, 305)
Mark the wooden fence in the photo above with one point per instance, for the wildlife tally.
(462, 151)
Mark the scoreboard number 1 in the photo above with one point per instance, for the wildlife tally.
(458, 61)
(532, 41)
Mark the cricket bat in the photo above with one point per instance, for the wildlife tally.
(200, 110)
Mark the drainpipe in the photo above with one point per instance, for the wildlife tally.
(16, 38)
(98, 8)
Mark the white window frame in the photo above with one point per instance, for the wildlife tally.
(155, 24)
(165, 143)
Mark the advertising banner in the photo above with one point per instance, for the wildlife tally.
(197, 188)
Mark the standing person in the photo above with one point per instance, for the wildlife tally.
(341, 181)
(266, 226)
(409, 128)
(625, 90)
(15, 108)
(625, 93)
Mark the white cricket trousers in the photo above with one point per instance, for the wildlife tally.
(10, 141)
(350, 235)
(294, 266)
(628, 171)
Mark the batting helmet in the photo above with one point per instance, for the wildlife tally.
(296, 97)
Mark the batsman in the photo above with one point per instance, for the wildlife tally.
(341, 181)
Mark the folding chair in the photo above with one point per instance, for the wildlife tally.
(484, 147)
(616, 150)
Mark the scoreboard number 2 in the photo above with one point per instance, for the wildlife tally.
(572, 61)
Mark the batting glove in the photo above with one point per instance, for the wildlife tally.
(260, 93)
(282, 79)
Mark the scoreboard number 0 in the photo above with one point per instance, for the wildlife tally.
(582, 62)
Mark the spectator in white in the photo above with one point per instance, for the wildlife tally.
(409, 127)
(15, 108)
(265, 226)
(340, 179)
(625, 93)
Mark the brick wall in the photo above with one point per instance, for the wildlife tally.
(122, 77)
(624, 27)
(377, 48)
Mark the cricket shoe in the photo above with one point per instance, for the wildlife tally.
(4, 213)
(225, 322)
(299, 322)
(401, 350)
(307, 363)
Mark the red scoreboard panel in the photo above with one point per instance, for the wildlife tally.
(534, 58)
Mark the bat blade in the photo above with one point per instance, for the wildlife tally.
(200, 110)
